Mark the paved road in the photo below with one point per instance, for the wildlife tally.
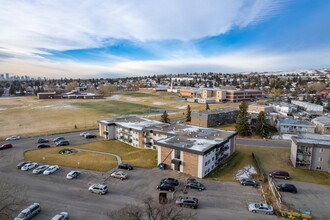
(221, 200)
(263, 143)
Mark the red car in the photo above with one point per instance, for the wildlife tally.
(6, 146)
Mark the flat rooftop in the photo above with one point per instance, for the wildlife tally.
(179, 136)
(313, 139)
(287, 121)
(323, 120)
(217, 110)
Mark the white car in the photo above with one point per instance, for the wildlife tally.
(98, 188)
(13, 138)
(119, 174)
(73, 174)
(261, 208)
(40, 169)
(61, 216)
(82, 134)
(51, 169)
(29, 166)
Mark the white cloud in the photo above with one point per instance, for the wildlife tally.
(27, 26)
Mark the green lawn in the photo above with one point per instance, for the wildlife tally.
(144, 158)
(270, 159)
(118, 108)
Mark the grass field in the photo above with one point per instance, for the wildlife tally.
(270, 159)
(87, 160)
(143, 158)
(28, 116)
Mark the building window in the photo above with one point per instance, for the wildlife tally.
(205, 163)
(321, 150)
(320, 159)
(176, 154)
(319, 168)
(212, 158)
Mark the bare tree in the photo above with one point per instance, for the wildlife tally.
(152, 211)
(11, 199)
(107, 89)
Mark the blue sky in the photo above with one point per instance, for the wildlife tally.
(85, 39)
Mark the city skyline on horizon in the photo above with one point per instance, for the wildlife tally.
(95, 39)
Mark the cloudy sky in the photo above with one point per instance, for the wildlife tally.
(97, 38)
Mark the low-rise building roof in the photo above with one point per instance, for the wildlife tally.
(308, 138)
(287, 121)
(322, 120)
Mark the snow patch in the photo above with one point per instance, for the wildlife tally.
(56, 107)
(246, 172)
(159, 103)
(283, 137)
(181, 107)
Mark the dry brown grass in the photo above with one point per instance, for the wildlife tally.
(87, 160)
(144, 158)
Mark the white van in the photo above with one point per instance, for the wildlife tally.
(29, 212)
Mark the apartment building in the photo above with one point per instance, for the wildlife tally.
(237, 95)
(283, 107)
(255, 108)
(309, 107)
(214, 117)
(311, 151)
(293, 126)
(322, 124)
(188, 149)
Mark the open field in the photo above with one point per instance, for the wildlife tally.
(27, 116)
(270, 159)
(87, 160)
(143, 158)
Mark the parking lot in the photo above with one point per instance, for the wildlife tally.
(220, 200)
(310, 196)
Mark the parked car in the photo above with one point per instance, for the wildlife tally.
(21, 164)
(42, 140)
(119, 174)
(61, 216)
(195, 185)
(51, 169)
(29, 166)
(125, 166)
(166, 187)
(5, 146)
(190, 202)
(58, 139)
(286, 187)
(82, 134)
(62, 143)
(98, 188)
(172, 181)
(280, 174)
(13, 138)
(89, 136)
(73, 174)
(40, 169)
(43, 145)
(29, 212)
(249, 182)
(261, 208)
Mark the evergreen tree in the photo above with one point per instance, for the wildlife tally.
(263, 129)
(165, 118)
(318, 100)
(188, 115)
(207, 107)
(312, 100)
(242, 122)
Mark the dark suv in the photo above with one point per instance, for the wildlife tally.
(166, 187)
(171, 181)
(280, 174)
(286, 187)
(195, 185)
(190, 202)
(125, 166)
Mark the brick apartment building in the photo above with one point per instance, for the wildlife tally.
(255, 108)
(237, 95)
(214, 117)
(188, 149)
